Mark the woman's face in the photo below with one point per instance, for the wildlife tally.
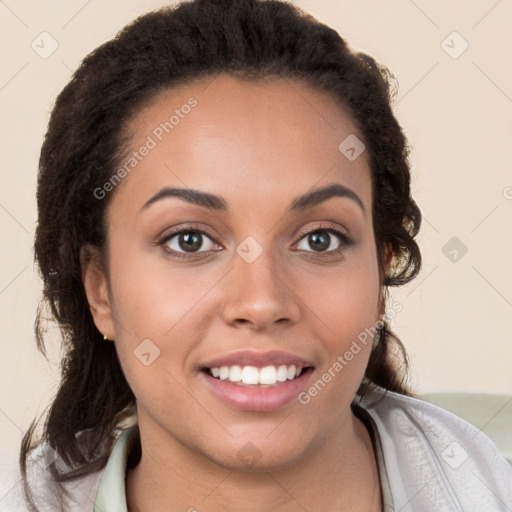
(254, 284)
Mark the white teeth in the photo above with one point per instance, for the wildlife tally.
(282, 373)
(235, 374)
(250, 375)
(268, 375)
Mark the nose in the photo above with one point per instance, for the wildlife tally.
(260, 294)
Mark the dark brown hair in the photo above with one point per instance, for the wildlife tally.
(252, 40)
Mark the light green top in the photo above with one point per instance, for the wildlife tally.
(111, 495)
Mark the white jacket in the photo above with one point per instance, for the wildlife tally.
(429, 461)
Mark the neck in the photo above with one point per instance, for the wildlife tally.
(341, 474)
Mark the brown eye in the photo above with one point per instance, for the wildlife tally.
(321, 240)
(187, 241)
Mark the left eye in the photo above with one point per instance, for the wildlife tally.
(322, 240)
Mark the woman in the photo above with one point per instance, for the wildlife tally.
(223, 200)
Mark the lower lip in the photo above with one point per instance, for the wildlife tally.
(254, 398)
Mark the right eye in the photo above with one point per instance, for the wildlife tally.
(185, 242)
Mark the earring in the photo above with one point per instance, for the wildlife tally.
(105, 337)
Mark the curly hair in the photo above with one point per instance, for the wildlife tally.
(84, 144)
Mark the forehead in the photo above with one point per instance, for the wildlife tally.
(269, 140)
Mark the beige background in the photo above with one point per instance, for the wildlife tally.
(457, 113)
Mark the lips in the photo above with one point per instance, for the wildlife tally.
(257, 381)
(259, 398)
(257, 359)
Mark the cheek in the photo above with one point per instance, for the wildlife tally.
(164, 310)
(156, 311)
(346, 300)
(347, 323)
(152, 295)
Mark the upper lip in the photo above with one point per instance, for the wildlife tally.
(260, 359)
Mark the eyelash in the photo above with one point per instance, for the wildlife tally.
(346, 240)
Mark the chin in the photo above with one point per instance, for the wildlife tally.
(261, 453)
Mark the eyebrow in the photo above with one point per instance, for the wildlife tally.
(217, 203)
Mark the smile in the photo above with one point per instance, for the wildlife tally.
(251, 375)
(249, 388)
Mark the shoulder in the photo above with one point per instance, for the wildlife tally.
(74, 495)
(436, 460)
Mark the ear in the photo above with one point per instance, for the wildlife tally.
(94, 280)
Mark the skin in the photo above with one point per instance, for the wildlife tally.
(259, 146)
